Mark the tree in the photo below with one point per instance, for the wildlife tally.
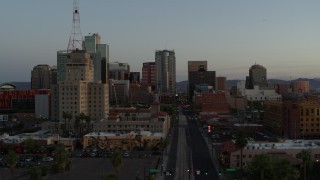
(305, 156)
(88, 120)
(112, 176)
(30, 144)
(67, 117)
(283, 169)
(61, 159)
(35, 173)
(260, 166)
(314, 172)
(241, 142)
(12, 160)
(116, 160)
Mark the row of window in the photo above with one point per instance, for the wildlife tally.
(307, 119)
(308, 112)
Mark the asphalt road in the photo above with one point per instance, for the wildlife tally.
(201, 160)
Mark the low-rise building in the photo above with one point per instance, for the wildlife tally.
(288, 148)
(126, 141)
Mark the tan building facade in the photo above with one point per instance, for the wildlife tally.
(79, 93)
(130, 141)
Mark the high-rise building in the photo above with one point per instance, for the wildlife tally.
(149, 74)
(166, 71)
(134, 77)
(201, 77)
(195, 65)
(62, 57)
(41, 77)
(99, 54)
(257, 77)
(300, 86)
(79, 93)
(119, 71)
(221, 84)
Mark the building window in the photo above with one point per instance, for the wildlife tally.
(301, 112)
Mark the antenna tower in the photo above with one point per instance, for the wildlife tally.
(76, 39)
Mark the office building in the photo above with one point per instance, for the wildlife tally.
(195, 65)
(149, 74)
(257, 77)
(201, 77)
(119, 71)
(100, 56)
(41, 77)
(221, 84)
(134, 77)
(166, 71)
(62, 57)
(300, 86)
(79, 93)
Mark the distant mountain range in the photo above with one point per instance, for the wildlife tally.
(314, 83)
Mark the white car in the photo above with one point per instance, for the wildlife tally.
(47, 159)
(126, 155)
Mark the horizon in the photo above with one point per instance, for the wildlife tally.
(231, 36)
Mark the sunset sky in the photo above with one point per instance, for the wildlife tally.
(232, 35)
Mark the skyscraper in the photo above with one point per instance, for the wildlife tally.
(99, 54)
(166, 71)
(62, 57)
(257, 77)
(119, 71)
(149, 74)
(79, 93)
(41, 77)
(195, 65)
(202, 77)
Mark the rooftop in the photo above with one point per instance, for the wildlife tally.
(288, 144)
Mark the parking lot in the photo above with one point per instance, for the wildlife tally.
(137, 164)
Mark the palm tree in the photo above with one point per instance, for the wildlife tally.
(77, 125)
(241, 142)
(62, 159)
(67, 116)
(88, 120)
(116, 160)
(305, 156)
(12, 160)
(81, 118)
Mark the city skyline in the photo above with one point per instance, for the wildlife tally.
(231, 36)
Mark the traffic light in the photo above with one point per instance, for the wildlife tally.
(220, 173)
(209, 128)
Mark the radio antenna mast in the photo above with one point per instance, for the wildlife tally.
(76, 39)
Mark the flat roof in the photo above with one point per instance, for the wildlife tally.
(288, 144)
(144, 133)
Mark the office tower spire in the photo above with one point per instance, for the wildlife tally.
(76, 40)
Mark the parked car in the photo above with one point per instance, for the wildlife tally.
(28, 159)
(126, 154)
(47, 159)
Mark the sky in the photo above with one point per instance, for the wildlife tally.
(232, 35)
